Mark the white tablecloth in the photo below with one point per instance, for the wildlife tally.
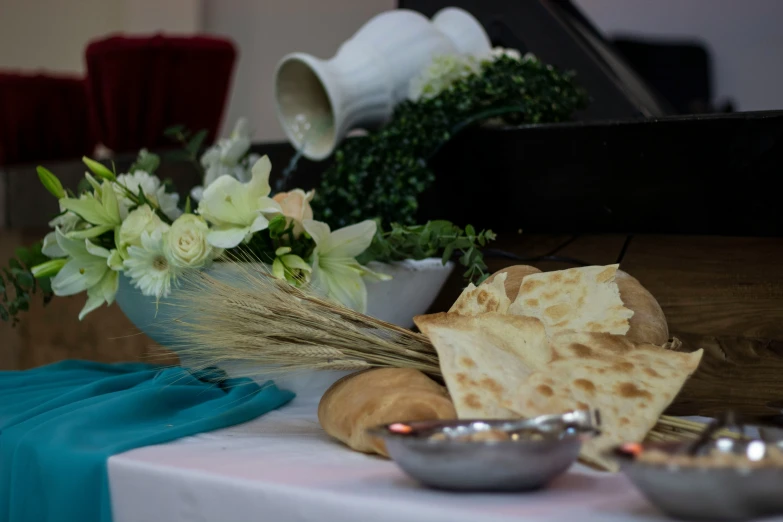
(282, 467)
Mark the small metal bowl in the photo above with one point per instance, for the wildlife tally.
(541, 449)
(721, 493)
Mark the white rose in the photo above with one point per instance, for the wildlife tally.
(186, 245)
(141, 220)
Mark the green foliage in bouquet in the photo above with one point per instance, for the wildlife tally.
(129, 225)
(433, 239)
(17, 283)
(383, 174)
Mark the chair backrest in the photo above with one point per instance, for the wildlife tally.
(139, 86)
(44, 117)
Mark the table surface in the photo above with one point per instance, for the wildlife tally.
(282, 467)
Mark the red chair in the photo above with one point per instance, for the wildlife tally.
(43, 117)
(140, 86)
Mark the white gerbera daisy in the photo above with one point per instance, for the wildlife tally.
(153, 189)
(148, 267)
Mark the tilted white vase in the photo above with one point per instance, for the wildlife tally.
(320, 101)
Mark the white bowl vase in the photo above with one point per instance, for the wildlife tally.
(320, 101)
(414, 287)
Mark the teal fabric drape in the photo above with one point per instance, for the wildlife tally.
(60, 423)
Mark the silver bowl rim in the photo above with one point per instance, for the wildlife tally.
(628, 458)
(383, 432)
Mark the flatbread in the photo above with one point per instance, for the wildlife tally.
(648, 324)
(630, 384)
(483, 358)
(584, 299)
(503, 366)
(514, 277)
(487, 297)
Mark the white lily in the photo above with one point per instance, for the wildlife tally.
(100, 209)
(227, 158)
(236, 210)
(335, 269)
(66, 222)
(89, 267)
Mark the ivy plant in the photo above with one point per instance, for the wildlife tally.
(382, 174)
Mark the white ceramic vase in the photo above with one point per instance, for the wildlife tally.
(320, 101)
(410, 292)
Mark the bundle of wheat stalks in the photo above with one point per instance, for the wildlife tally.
(254, 318)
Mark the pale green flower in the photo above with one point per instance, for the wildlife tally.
(100, 209)
(140, 220)
(148, 267)
(290, 267)
(89, 267)
(67, 222)
(48, 268)
(236, 210)
(335, 269)
(441, 74)
(499, 52)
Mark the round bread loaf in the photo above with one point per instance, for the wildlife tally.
(648, 324)
(380, 396)
(514, 278)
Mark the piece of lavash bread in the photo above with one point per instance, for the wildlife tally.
(518, 345)
(514, 276)
(378, 396)
(487, 297)
(584, 299)
(502, 366)
(631, 384)
(648, 323)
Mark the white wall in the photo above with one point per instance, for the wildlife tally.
(168, 16)
(742, 35)
(265, 31)
(744, 38)
(51, 35)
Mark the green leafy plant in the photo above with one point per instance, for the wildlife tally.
(191, 143)
(17, 283)
(381, 175)
(435, 238)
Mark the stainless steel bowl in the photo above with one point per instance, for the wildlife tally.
(713, 493)
(544, 448)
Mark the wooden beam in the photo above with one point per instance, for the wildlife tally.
(737, 373)
(713, 286)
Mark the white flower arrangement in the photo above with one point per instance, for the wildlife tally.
(133, 225)
(129, 225)
(446, 70)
